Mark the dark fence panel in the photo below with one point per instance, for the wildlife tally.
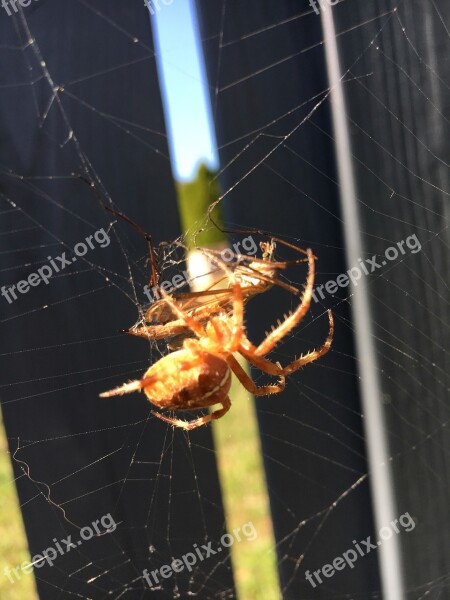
(85, 457)
(267, 64)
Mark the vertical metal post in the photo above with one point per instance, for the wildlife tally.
(382, 491)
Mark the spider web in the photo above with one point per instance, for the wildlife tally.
(168, 475)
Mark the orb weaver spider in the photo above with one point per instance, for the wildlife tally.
(199, 374)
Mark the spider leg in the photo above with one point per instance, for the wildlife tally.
(295, 317)
(247, 349)
(189, 321)
(140, 384)
(158, 332)
(126, 388)
(314, 354)
(189, 425)
(151, 249)
(250, 385)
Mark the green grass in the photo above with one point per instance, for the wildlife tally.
(245, 497)
(13, 543)
(236, 436)
(194, 198)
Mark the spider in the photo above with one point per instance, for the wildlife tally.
(199, 374)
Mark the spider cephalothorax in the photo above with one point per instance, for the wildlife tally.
(199, 374)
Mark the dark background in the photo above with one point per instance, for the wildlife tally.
(266, 77)
(60, 347)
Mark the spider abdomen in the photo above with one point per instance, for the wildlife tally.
(183, 381)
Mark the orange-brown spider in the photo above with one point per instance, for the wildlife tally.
(199, 374)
